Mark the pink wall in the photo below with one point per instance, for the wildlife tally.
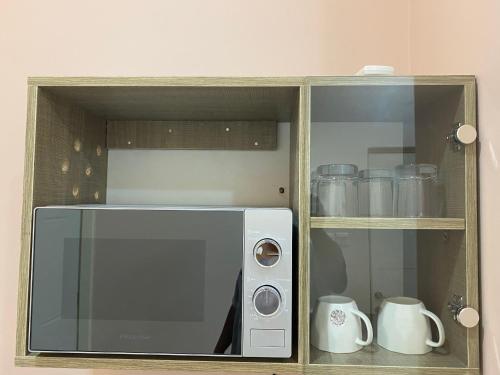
(463, 37)
(154, 38)
(236, 37)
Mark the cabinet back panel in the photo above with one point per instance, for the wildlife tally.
(201, 177)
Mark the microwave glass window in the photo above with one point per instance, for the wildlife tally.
(115, 284)
(137, 281)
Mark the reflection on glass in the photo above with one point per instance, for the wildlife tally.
(231, 331)
(373, 267)
(381, 127)
(397, 135)
(136, 281)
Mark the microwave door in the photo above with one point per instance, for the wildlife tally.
(137, 281)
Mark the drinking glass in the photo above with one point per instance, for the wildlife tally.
(338, 191)
(416, 187)
(320, 171)
(376, 192)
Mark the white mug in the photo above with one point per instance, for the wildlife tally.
(404, 327)
(336, 325)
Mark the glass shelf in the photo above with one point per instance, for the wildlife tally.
(388, 223)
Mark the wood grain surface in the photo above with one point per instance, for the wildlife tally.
(27, 210)
(471, 227)
(63, 110)
(193, 135)
(183, 102)
(68, 166)
(388, 223)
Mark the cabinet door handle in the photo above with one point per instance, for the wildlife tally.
(465, 315)
(466, 134)
(462, 134)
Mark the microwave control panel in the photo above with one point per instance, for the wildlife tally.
(267, 283)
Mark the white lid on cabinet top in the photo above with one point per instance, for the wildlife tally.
(376, 70)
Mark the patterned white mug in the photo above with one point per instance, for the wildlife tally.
(336, 325)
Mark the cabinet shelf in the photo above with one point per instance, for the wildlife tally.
(388, 223)
(375, 355)
(156, 363)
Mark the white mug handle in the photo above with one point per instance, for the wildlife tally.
(437, 321)
(369, 329)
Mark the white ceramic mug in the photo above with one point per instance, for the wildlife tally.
(404, 326)
(336, 325)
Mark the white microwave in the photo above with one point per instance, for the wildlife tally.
(161, 281)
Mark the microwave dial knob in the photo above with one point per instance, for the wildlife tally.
(267, 252)
(267, 300)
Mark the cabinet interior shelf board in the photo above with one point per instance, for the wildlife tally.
(376, 356)
(388, 223)
(155, 364)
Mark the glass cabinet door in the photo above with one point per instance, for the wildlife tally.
(393, 145)
(393, 222)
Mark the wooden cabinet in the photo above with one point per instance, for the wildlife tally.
(76, 124)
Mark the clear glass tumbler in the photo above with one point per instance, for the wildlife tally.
(338, 191)
(416, 187)
(376, 192)
(315, 175)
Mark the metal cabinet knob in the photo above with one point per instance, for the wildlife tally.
(461, 134)
(465, 134)
(465, 315)
(468, 317)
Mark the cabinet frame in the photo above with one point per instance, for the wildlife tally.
(300, 156)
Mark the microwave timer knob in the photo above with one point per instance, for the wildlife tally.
(266, 300)
(267, 252)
